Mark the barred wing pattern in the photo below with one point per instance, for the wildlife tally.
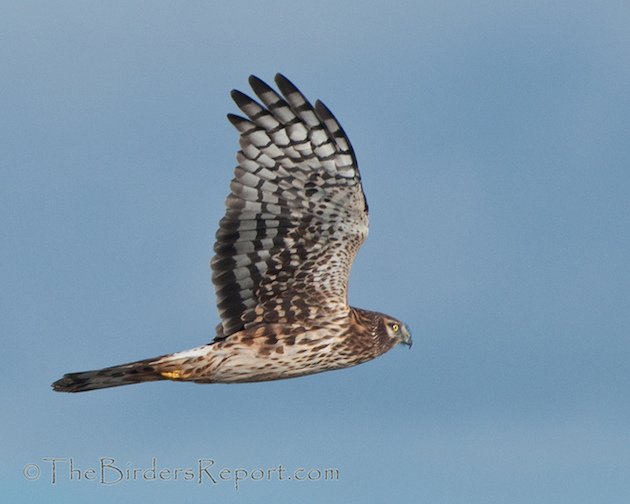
(295, 218)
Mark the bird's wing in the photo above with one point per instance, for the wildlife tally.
(295, 217)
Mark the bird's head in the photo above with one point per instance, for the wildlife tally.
(397, 331)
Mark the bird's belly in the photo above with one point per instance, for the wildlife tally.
(251, 362)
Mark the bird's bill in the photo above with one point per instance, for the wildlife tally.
(405, 337)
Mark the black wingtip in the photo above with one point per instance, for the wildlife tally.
(239, 97)
(323, 111)
(236, 119)
(259, 86)
(255, 81)
(284, 84)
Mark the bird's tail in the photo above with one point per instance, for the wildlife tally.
(158, 368)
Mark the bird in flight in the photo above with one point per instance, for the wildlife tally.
(295, 219)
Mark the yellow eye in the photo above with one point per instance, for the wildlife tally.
(395, 327)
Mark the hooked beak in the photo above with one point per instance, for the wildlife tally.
(405, 336)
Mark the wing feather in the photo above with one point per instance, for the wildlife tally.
(295, 217)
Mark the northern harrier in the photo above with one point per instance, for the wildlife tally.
(295, 218)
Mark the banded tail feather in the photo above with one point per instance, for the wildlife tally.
(146, 370)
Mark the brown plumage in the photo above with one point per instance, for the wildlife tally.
(295, 219)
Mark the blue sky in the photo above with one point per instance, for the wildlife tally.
(493, 143)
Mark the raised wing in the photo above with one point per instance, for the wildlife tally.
(296, 215)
